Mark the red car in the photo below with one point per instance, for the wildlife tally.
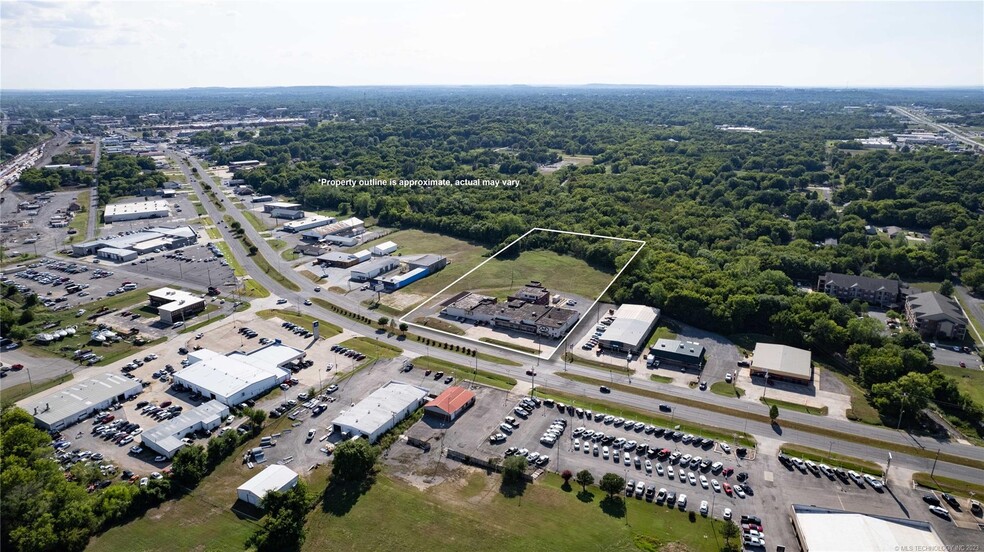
(16, 367)
(165, 404)
(727, 472)
(727, 488)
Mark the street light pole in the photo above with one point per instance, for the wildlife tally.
(933, 471)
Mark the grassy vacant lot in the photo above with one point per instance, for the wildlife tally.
(560, 273)
(835, 460)
(372, 347)
(977, 324)
(461, 372)
(783, 405)
(663, 331)
(617, 409)
(80, 222)
(472, 514)
(255, 221)
(10, 260)
(725, 389)
(948, 485)
(860, 410)
(277, 244)
(606, 366)
(14, 393)
(438, 324)
(253, 288)
(971, 381)
(272, 272)
(327, 329)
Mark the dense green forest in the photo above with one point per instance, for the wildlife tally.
(125, 175)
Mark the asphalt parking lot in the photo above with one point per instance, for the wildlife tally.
(48, 238)
(193, 267)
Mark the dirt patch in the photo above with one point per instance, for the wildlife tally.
(421, 469)
(403, 301)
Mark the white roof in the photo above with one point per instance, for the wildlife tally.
(176, 298)
(138, 207)
(274, 478)
(374, 411)
(273, 354)
(168, 434)
(316, 219)
(387, 245)
(632, 324)
(79, 398)
(782, 359)
(225, 376)
(827, 530)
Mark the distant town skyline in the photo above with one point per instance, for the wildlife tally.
(150, 44)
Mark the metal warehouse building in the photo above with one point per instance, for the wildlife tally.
(308, 223)
(229, 380)
(859, 532)
(782, 363)
(682, 353)
(70, 405)
(384, 248)
(274, 205)
(133, 211)
(163, 237)
(165, 438)
(371, 269)
(273, 478)
(631, 328)
(381, 410)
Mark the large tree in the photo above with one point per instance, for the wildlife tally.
(584, 478)
(612, 483)
(355, 459)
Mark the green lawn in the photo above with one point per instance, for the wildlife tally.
(977, 324)
(606, 366)
(663, 331)
(970, 380)
(860, 410)
(726, 389)
(660, 379)
(277, 244)
(784, 405)
(372, 347)
(474, 515)
(10, 260)
(438, 324)
(327, 329)
(255, 221)
(509, 345)
(948, 485)
(654, 418)
(252, 287)
(213, 232)
(14, 393)
(199, 209)
(746, 341)
(498, 360)
(834, 459)
(464, 373)
(80, 222)
(272, 272)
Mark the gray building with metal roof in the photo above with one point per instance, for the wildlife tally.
(68, 406)
(631, 329)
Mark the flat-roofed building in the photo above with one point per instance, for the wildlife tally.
(117, 254)
(274, 478)
(164, 237)
(466, 305)
(631, 329)
(228, 380)
(533, 292)
(175, 305)
(165, 438)
(381, 410)
(782, 362)
(337, 259)
(831, 530)
(60, 409)
(270, 206)
(371, 269)
(118, 212)
(385, 248)
(681, 353)
(308, 223)
(349, 227)
(431, 262)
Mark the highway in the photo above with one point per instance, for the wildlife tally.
(549, 370)
(965, 138)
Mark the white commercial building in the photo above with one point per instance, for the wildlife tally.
(381, 410)
(166, 437)
(228, 379)
(175, 305)
(308, 223)
(134, 211)
(631, 328)
(370, 269)
(782, 362)
(830, 530)
(64, 408)
(384, 248)
(273, 478)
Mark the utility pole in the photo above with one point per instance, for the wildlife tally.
(933, 472)
(901, 410)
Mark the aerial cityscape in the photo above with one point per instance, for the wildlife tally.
(670, 277)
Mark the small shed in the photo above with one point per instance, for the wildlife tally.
(385, 248)
(273, 478)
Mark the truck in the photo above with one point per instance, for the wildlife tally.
(213, 290)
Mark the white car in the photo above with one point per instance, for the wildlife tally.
(703, 507)
(669, 472)
(577, 444)
(715, 485)
(692, 478)
(649, 467)
(739, 491)
(628, 460)
(726, 448)
(144, 481)
(156, 475)
(281, 301)
(604, 452)
(659, 469)
(727, 514)
(160, 458)
(703, 481)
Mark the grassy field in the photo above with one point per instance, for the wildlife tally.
(277, 244)
(725, 389)
(253, 288)
(783, 405)
(472, 514)
(462, 372)
(606, 366)
(270, 271)
(561, 273)
(498, 360)
(509, 345)
(977, 324)
(648, 417)
(201, 324)
(255, 221)
(213, 232)
(80, 222)
(970, 381)
(372, 348)
(14, 393)
(290, 255)
(948, 485)
(199, 209)
(860, 410)
(11, 260)
(834, 460)
(438, 324)
(660, 379)
(327, 329)
(663, 331)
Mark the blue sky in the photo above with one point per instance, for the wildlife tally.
(177, 44)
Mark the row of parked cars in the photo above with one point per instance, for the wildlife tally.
(821, 469)
(165, 411)
(298, 329)
(352, 353)
(936, 506)
(535, 458)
